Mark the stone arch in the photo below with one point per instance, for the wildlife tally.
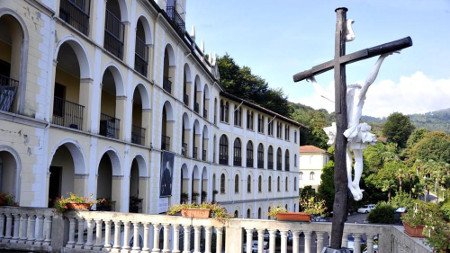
(204, 185)
(10, 170)
(80, 52)
(187, 84)
(197, 94)
(115, 161)
(196, 135)
(205, 143)
(196, 186)
(167, 126)
(147, 29)
(184, 184)
(117, 78)
(144, 93)
(78, 156)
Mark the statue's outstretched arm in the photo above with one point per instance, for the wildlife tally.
(373, 75)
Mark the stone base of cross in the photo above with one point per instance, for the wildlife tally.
(338, 64)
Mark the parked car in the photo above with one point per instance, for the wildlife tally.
(366, 208)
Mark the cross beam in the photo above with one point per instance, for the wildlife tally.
(338, 64)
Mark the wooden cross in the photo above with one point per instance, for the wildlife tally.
(340, 86)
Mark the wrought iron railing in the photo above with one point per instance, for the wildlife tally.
(186, 99)
(167, 84)
(237, 161)
(249, 162)
(205, 113)
(76, 14)
(8, 90)
(204, 155)
(196, 107)
(109, 126)
(184, 148)
(114, 34)
(67, 114)
(141, 57)
(137, 135)
(165, 142)
(176, 18)
(195, 153)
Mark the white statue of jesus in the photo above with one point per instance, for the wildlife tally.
(358, 134)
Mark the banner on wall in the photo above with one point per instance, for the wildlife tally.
(166, 172)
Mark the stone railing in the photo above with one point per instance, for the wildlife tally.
(34, 229)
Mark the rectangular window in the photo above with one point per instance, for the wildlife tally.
(260, 123)
(238, 116)
(249, 120)
(270, 128)
(286, 133)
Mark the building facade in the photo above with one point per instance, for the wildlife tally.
(312, 161)
(115, 100)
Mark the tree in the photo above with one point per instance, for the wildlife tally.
(433, 146)
(397, 129)
(326, 187)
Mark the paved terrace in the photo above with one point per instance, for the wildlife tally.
(44, 230)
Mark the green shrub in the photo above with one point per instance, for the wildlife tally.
(445, 208)
(402, 199)
(383, 213)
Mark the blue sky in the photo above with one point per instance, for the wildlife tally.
(277, 39)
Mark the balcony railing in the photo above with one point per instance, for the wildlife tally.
(165, 142)
(237, 161)
(95, 231)
(114, 34)
(109, 126)
(67, 114)
(167, 84)
(176, 18)
(205, 113)
(260, 164)
(186, 99)
(137, 135)
(141, 57)
(204, 155)
(195, 153)
(250, 162)
(184, 148)
(8, 90)
(76, 15)
(196, 107)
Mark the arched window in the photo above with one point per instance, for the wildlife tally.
(269, 184)
(270, 158)
(249, 120)
(141, 50)
(237, 115)
(222, 110)
(279, 159)
(260, 156)
(287, 185)
(259, 213)
(236, 183)
(295, 160)
(248, 213)
(249, 184)
(278, 184)
(311, 176)
(286, 161)
(259, 184)
(249, 154)
(237, 154)
(114, 29)
(223, 150)
(222, 183)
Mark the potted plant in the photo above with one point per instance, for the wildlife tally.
(313, 207)
(184, 197)
(415, 220)
(201, 211)
(104, 204)
(7, 199)
(73, 202)
(281, 214)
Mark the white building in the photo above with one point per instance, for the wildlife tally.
(95, 96)
(312, 161)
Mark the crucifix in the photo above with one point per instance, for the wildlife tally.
(343, 34)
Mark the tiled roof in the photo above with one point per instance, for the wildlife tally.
(311, 149)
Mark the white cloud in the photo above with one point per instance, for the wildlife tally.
(412, 94)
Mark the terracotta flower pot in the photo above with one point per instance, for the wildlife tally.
(294, 216)
(78, 206)
(200, 213)
(413, 231)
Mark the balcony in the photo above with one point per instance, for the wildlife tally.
(279, 167)
(223, 159)
(67, 114)
(114, 34)
(8, 90)
(186, 99)
(237, 161)
(76, 15)
(93, 231)
(250, 162)
(109, 126)
(196, 107)
(260, 164)
(286, 166)
(205, 113)
(270, 165)
(165, 142)
(141, 57)
(137, 135)
(167, 84)
(184, 148)
(176, 18)
(204, 155)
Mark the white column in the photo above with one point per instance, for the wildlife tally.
(272, 241)
(145, 247)
(187, 239)
(295, 244)
(9, 226)
(249, 232)
(283, 241)
(166, 248)
(307, 241)
(31, 229)
(23, 228)
(369, 243)
(260, 240)
(208, 239)
(319, 236)
(197, 239)
(80, 242)
(15, 236)
(39, 229)
(176, 238)
(116, 244)
(47, 229)
(126, 237)
(219, 233)
(156, 238)
(2, 225)
(136, 247)
(357, 245)
(98, 234)
(90, 234)
(71, 242)
(345, 240)
(107, 244)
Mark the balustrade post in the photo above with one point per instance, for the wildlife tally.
(295, 241)
(47, 229)
(357, 240)
(107, 244)
(176, 238)
(2, 226)
(136, 247)
(319, 236)
(39, 229)
(261, 240)
(145, 247)
(71, 242)
(233, 238)
(249, 239)
(80, 234)
(187, 239)
(283, 241)
(208, 239)
(166, 248)
(9, 228)
(116, 245)
(31, 229)
(197, 230)
(156, 228)
(23, 228)
(98, 235)
(219, 242)
(307, 241)
(272, 241)
(369, 243)
(345, 240)
(126, 237)
(15, 237)
(90, 234)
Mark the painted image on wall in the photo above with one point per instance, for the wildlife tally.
(166, 172)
